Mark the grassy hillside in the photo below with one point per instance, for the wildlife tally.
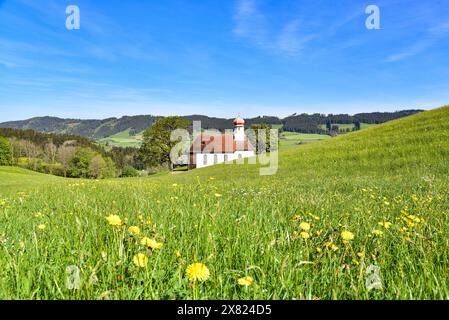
(387, 185)
(124, 139)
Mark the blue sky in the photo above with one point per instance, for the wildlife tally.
(221, 57)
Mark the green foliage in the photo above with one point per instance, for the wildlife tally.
(156, 146)
(5, 152)
(109, 170)
(79, 166)
(129, 172)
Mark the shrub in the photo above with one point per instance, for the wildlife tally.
(129, 171)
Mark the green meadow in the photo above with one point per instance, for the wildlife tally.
(334, 210)
(123, 139)
(289, 139)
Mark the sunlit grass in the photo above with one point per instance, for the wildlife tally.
(387, 185)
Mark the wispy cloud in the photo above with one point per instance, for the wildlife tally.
(290, 40)
(433, 35)
(410, 51)
(252, 24)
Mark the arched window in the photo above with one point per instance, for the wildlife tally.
(205, 159)
(215, 159)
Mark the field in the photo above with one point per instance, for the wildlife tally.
(289, 139)
(123, 139)
(335, 210)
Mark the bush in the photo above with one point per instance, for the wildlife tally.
(129, 171)
(79, 166)
(5, 152)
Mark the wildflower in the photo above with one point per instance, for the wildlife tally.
(174, 184)
(331, 246)
(114, 220)
(347, 235)
(305, 235)
(296, 217)
(245, 281)
(134, 230)
(304, 226)
(42, 226)
(151, 243)
(197, 272)
(218, 195)
(378, 232)
(385, 224)
(38, 215)
(140, 260)
(360, 254)
(178, 254)
(318, 250)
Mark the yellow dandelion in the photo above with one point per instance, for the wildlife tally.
(305, 235)
(114, 220)
(38, 215)
(134, 230)
(151, 243)
(304, 226)
(331, 246)
(140, 260)
(178, 254)
(42, 226)
(245, 281)
(347, 235)
(318, 250)
(174, 184)
(197, 272)
(385, 224)
(378, 232)
(360, 254)
(218, 195)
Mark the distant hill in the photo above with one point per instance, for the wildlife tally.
(93, 129)
(100, 129)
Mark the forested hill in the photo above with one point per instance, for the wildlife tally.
(97, 129)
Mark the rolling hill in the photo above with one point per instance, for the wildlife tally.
(132, 125)
(375, 199)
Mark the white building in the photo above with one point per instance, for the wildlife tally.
(211, 149)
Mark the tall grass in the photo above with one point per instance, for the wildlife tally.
(241, 224)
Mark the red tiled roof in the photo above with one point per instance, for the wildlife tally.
(223, 143)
